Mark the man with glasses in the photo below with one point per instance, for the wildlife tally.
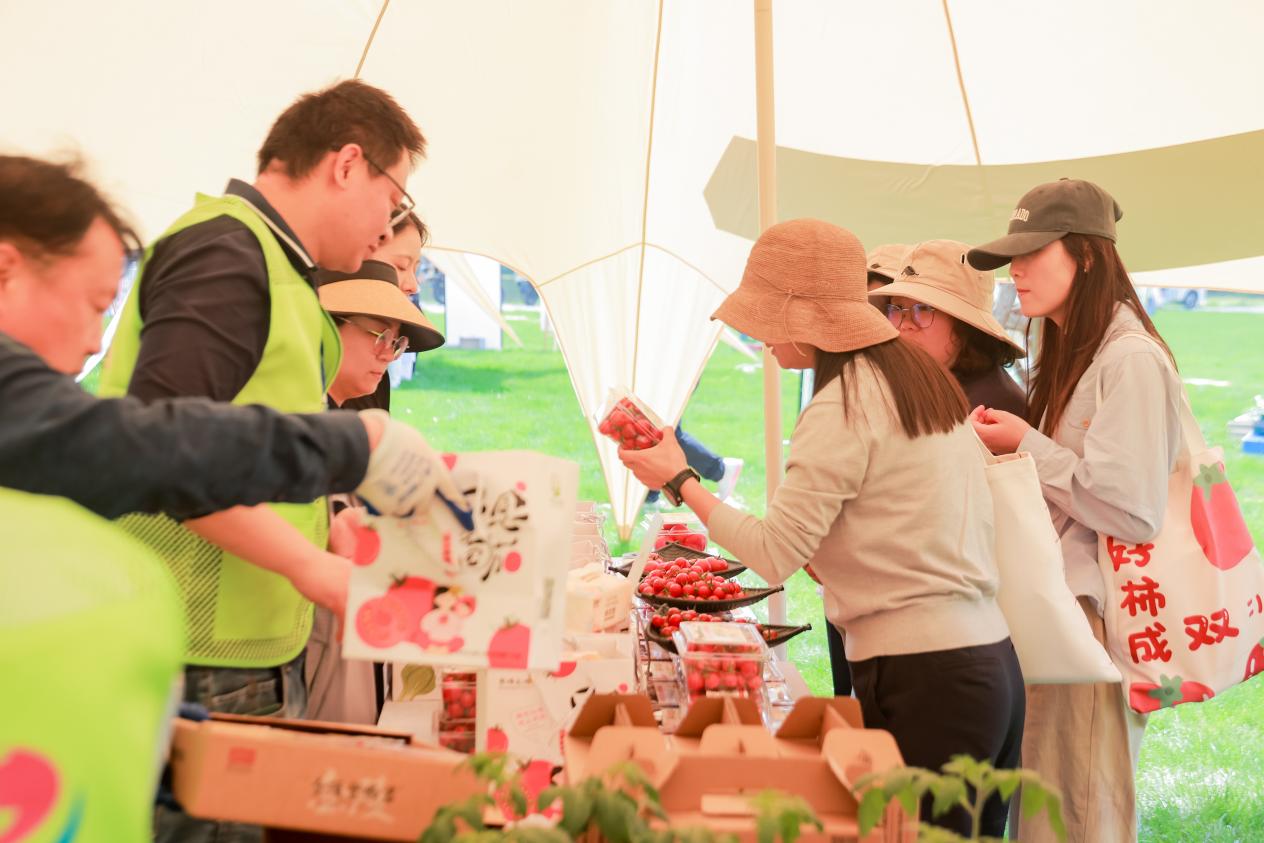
(225, 308)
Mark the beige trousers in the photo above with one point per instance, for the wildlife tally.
(1083, 740)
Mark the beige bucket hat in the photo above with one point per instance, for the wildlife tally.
(884, 261)
(805, 282)
(373, 290)
(935, 272)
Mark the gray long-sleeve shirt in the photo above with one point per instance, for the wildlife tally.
(1106, 468)
(186, 457)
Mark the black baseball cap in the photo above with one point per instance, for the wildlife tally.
(1050, 212)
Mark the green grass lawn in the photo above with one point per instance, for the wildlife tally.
(1201, 777)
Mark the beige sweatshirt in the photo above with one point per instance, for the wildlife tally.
(899, 530)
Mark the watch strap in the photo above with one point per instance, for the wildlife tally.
(672, 487)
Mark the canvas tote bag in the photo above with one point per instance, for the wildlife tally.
(1185, 612)
(1053, 639)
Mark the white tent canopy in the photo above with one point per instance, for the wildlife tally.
(605, 150)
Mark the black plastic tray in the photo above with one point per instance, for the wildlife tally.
(781, 636)
(750, 598)
(674, 551)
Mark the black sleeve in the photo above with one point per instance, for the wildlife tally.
(205, 305)
(186, 457)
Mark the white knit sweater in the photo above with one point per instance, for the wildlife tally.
(899, 530)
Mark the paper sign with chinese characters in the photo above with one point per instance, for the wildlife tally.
(426, 591)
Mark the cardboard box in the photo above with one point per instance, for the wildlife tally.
(722, 754)
(312, 776)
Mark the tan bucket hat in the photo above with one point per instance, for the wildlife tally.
(884, 261)
(936, 273)
(805, 282)
(373, 290)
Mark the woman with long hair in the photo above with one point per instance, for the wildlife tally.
(884, 495)
(1103, 467)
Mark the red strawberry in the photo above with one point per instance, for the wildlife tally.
(1171, 691)
(1217, 519)
(1255, 661)
(497, 740)
(509, 646)
(368, 545)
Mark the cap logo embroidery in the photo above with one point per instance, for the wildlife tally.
(908, 270)
(1020, 214)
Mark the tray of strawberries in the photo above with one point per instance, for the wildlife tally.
(694, 586)
(659, 562)
(667, 620)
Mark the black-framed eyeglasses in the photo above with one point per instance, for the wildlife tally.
(923, 314)
(397, 345)
(406, 205)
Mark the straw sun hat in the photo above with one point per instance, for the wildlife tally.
(373, 290)
(936, 273)
(805, 282)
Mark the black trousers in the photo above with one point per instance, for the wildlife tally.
(943, 703)
(838, 661)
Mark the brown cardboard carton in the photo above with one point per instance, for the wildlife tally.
(722, 755)
(312, 776)
(812, 718)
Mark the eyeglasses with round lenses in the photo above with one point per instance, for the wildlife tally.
(923, 315)
(382, 340)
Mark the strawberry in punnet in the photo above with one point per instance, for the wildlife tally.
(1255, 660)
(510, 646)
(368, 545)
(1171, 691)
(1217, 519)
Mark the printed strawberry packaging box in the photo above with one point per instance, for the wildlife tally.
(425, 590)
(629, 423)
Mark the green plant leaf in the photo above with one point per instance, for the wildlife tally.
(1033, 798)
(518, 800)
(1053, 807)
(577, 809)
(1006, 783)
(470, 811)
(766, 828)
(947, 793)
(615, 814)
(967, 768)
(442, 827)
(908, 801)
(872, 804)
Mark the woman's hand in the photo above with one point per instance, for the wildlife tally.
(655, 466)
(1002, 432)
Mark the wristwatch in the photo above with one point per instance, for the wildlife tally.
(671, 489)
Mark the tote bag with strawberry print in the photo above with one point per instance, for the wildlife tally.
(1185, 612)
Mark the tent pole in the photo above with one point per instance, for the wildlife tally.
(766, 147)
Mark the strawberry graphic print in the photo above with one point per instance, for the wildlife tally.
(1217, 519)
(486, 590)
